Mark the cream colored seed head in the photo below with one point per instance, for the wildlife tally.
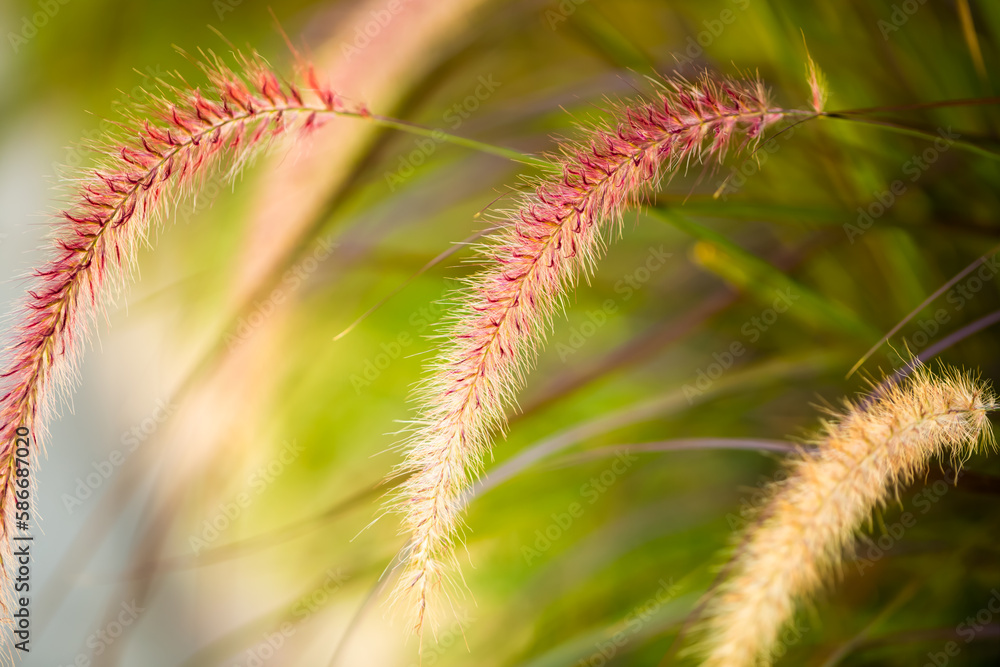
(862, 458)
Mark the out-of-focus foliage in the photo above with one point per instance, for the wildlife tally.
(786, 266)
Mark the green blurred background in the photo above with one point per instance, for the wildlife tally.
(254, 445)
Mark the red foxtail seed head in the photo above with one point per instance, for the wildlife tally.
(164, 148)
(556, 232)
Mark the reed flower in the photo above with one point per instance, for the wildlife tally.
(555, 233)
(165, 148)
(864, 455)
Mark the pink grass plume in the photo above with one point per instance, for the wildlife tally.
(555, 233)
(163, 149)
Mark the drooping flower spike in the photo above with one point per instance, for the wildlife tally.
(555, 233)
(862, 458)
(164, 149)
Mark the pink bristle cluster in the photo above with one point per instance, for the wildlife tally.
(165, 149)
(503, 313)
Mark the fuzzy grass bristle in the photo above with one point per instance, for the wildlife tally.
(164, 148)
(555, 233)
(862, 458)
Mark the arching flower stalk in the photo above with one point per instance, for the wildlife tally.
(164, 150)
(555, 233)
(861, 460)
